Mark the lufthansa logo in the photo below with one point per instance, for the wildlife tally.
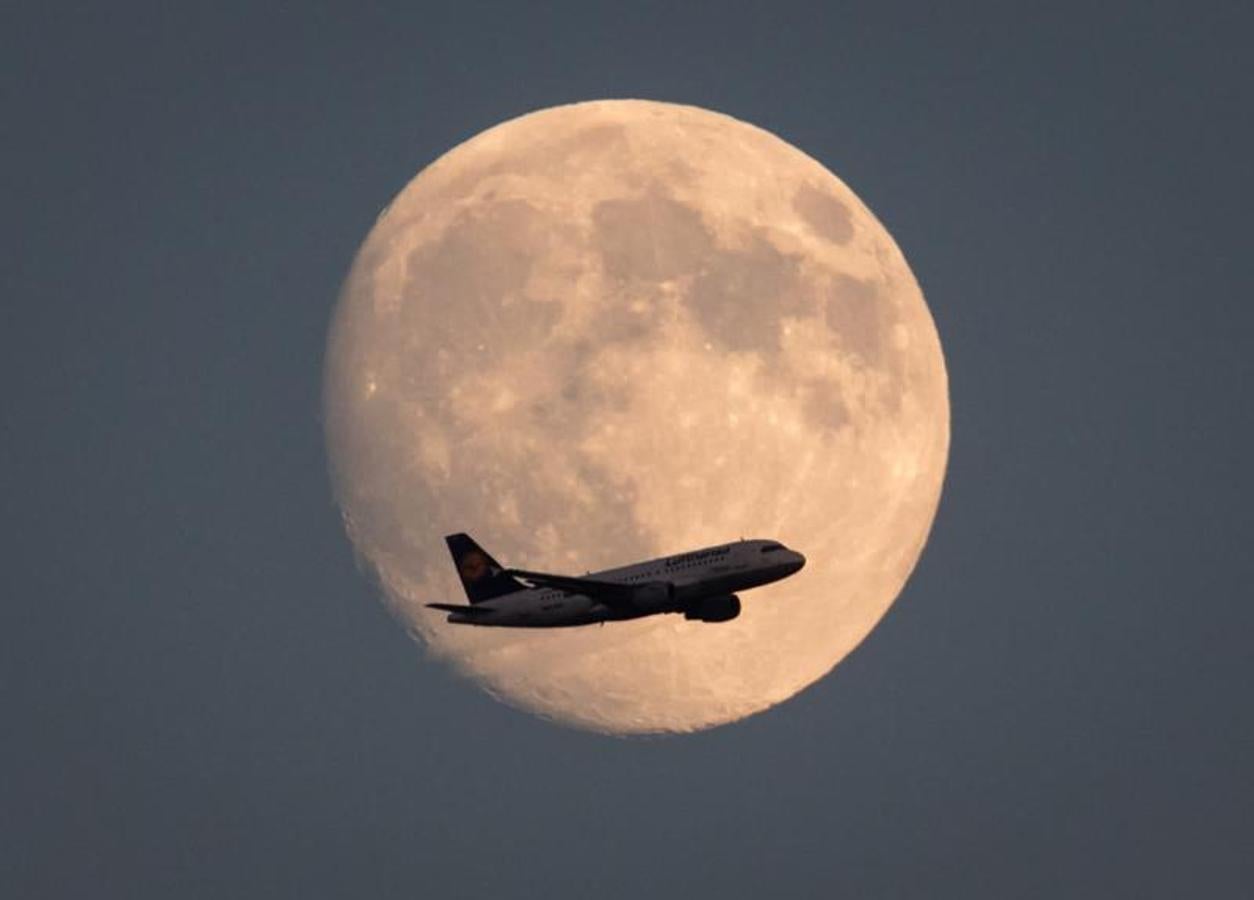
(473, 566)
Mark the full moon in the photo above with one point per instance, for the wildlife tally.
(617, 330)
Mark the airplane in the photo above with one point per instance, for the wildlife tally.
(699, 584)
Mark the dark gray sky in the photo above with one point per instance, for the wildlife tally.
(201, 695)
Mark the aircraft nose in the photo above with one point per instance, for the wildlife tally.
(799, 561)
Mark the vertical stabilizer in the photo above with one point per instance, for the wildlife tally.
(481, 575)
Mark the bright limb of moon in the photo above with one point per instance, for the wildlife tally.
(610, 331)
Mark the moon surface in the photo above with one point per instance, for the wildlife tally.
(616, 330)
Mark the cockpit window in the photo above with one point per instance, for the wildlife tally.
(771, 548)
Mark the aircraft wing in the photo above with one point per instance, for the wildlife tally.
(611, 593)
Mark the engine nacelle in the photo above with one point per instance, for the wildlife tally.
(655, 596)
(713, 609)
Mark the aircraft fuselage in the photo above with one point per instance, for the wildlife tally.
(701, 584)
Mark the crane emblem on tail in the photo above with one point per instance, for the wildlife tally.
(474, 565)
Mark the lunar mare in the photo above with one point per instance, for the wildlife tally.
(616, 330)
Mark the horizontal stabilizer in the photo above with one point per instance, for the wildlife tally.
(464, 610)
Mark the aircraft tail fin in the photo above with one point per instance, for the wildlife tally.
(482, 576)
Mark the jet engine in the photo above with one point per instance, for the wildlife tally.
(723, 608)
